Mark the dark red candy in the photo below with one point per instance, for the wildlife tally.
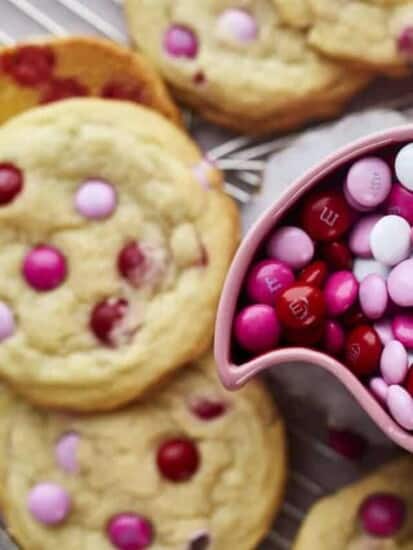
(106, 318)
(131, 261)
(123, 91)
(347, 443)
(326, 216)
(29, 65)
(300, 306)
(338, 256)
(354, 317)
(178, 459)
(11, 182)
(305, 336)
(63, 88)
(208, 409)
(383, 515)
(314, 274)
(363, 350)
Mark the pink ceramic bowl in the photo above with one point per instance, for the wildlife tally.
(234, 376)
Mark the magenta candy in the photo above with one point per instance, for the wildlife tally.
(368, 182)
(346, 443)
(400, 405)
(405, 41)
(292, 246)
(44, 268)
(382, 515)
(130, 532)
(334, 337)
(7, 323)
(394, 363)
(267, 280)
(373, 296)
(49, 503)
(400, 203)
(379, 389)
(384, 330)
(181, 41)
(66, 452)
(238, 25)
(340, 292)
(257, 328)
(402, 327)
(400, 284)
(95, 199)
(359, 240)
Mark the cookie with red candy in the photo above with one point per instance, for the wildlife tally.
(372, 514)
(172, 471)
(61, 68)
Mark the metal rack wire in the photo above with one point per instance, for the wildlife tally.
(315, 468)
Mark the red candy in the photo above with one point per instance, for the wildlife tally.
(121, 90)
(326, 216)
(208, 409)
(314, 274)
(347, 444)
(305, 336)
(300, 306)
(338, 256)
(106, 318)
(178, 459)
(131, 261)
(63, 88)
(363, 350)
(11, 183)
(383, 515)
(354, 317)
(29, 65)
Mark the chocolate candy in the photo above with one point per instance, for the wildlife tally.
(400, 404)
(359, 240)
(44, 268)
(379, 389)
(340, 292)
(7, 323)
(66, 453)
(362, 268)
(178, 459)
(394, 363)
(326, 216)
(314, 274)
(305, 336)
(373, 296)
(363, 350)
(382, 515)
(400, 203)
(384, 330)
(402, 328)
(368, 182)
(129, 531)
(257, 328)
(11, 183)
(208, 409)
(390, 240)
(334, 337)
(404, 166)
(95, 199)
(301, 307)
(49, 503)
(292, 246)
(237, 25)
(106, 320)
(400, 284)
(267, 280)
(337, 255)
(200, 541)
(180, 41)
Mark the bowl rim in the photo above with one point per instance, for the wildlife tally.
(235, 376)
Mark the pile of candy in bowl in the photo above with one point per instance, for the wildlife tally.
(336, 275)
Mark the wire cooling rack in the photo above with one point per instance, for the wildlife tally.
(315, 469)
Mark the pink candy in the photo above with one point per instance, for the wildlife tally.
(181, 41)
(49, 503)
(402, 327)
(384, 330)
(400, 284)
(373, 296)
(379, 389)
(394, 363)
(66, 453)
(130, 532)
(7, 323)
(368, 182)
(95, 199)
(400, 405)
(267, 280)
(333, 337)
(400, 202)
(44, 268)
(359, 241)
(238, 25)
(257, 328)
(292, 246)
(340, 292)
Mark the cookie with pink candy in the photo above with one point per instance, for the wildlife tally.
(372, 514)
(114, 251)
(139, 478)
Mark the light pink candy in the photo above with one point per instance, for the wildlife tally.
(384, 330)
(379, 389)
(340, 292)
(333, 337)
(400, 284)
(66, 452)
(400, 405)
(368, 182)
(238, 25)
(354, 204)
(359, 241)
(292, 246)
(394, 362)
(402, 327)
(95, 199)
(373, 296)
(7, 323)
(49, 503)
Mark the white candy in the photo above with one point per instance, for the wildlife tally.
(363, 267)
(404, 166)
(390, 240)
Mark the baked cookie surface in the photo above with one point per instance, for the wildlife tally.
(112, 254)
(375, 33)
(191, 466)
(60, 68)
(373, 514)
(246, 65)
